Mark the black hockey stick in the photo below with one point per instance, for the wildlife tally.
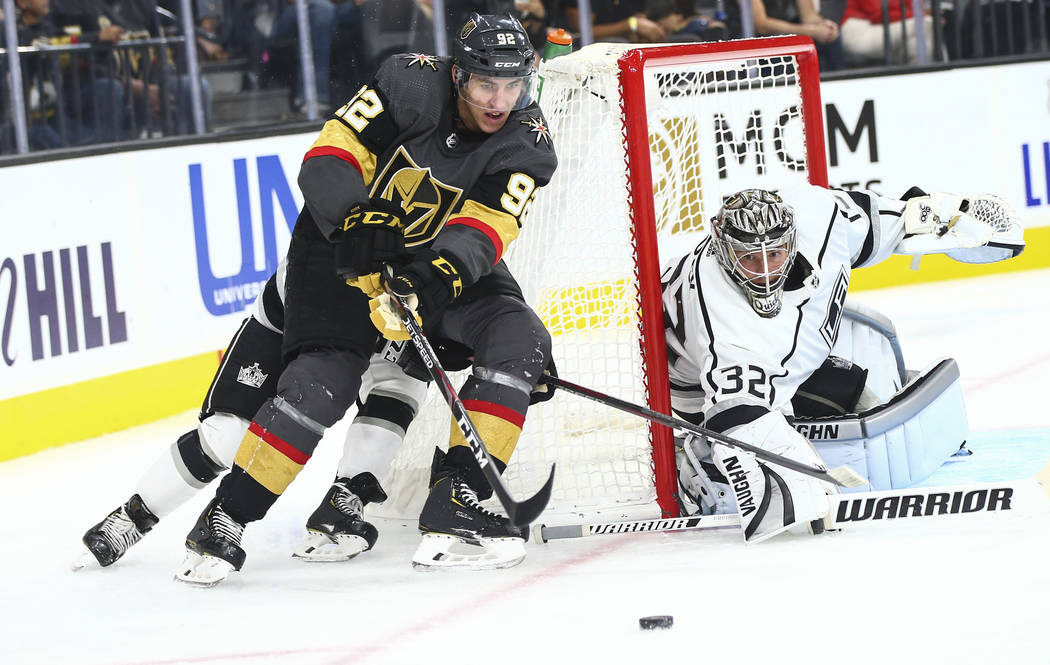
(521, 513)
(842, 475)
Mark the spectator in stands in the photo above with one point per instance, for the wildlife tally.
(680, 21)
(95, 115)
(617, 20)
(141, 20)
(284, 47)
(863, 34)
(800, 17)
(350, 67)
(534, 16)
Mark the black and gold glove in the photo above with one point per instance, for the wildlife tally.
(428, 285)
(371, 239)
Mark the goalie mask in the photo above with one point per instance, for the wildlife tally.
(754, 233)
(495, 63)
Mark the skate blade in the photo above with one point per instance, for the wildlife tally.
(444, 552)
(202, 571)
(84, 559)
(320, 548)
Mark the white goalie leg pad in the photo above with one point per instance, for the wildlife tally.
(444, 552)
(903, 441)
(772, 499)
(202, 571)
(866, 337)
(700, 493)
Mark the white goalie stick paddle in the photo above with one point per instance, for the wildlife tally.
(856, 509)
(521, 513)
(842, 476)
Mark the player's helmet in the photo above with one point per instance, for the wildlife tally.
(494, 47)
(754, 233)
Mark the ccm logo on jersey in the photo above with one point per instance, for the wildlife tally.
(823, 431)
(745, 500)
(924, 505)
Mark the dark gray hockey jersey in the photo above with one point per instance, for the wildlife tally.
(397, 145)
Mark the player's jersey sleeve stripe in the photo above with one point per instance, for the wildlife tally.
(499, 227)
(692, 418)
(735, 416)
(337, 140)
(327, 150)
(827, 236)
(710, 334)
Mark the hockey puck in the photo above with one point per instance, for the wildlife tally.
(654, 622)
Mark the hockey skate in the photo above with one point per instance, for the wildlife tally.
(336, 531)
(213, 548)
(108, 540)
(458, 532)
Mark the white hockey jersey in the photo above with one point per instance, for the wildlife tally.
(727, 365)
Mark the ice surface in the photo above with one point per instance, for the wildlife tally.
(955, 590)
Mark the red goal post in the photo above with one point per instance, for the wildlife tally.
(632, 66)
(649, 140)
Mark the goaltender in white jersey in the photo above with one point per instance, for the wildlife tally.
(755, 310)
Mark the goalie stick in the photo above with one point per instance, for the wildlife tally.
(842, 476)
(855, 509)
(521, 513)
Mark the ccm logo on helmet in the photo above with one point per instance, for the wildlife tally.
(504, 64)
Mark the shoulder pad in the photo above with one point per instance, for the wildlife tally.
(415, 85)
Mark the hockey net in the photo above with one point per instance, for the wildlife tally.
(649, 141)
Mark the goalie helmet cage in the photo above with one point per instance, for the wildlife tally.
(650, 139)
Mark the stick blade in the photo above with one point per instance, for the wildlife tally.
(525, 512)
(847, 477)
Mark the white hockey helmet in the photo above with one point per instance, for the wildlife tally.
(754, 233)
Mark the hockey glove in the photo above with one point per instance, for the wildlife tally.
(371, 239)
(427, 285)
(544, 391)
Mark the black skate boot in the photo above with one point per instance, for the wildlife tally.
(108, 540)
(337, 531)
(458, 532)
(213, 548)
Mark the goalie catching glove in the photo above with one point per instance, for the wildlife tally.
(371, 239)
(978, 229)
(427, 286)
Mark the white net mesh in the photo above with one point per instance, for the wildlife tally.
(714, 127)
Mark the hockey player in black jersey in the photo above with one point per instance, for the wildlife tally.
(429, 169)
(392, 393)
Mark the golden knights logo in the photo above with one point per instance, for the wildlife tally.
(420, 59)
(538, 127)
(467, 29)
(426, 201)
(251, 376)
